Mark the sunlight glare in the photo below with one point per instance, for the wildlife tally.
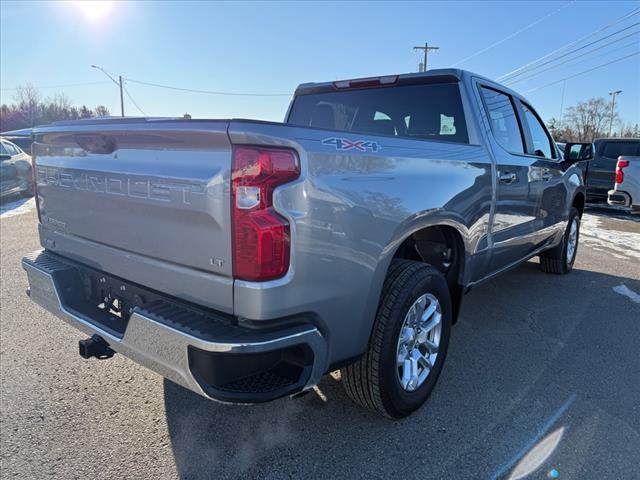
(537, 455)
(94, 9)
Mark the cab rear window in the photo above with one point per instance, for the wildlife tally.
(425, 112)
(615, 149)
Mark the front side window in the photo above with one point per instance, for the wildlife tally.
(3, 151)
(424, 112)
(541, 140)
(504, 121)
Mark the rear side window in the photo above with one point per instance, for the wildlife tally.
(11, 150)
(427, 112)
(541, 140)
(615, 149)
(504, 121)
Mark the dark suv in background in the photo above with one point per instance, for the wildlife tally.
(602, 169)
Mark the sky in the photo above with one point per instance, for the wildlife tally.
(270, 48)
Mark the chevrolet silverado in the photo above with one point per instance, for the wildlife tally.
(245, 259)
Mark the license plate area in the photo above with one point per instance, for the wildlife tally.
(107, 302)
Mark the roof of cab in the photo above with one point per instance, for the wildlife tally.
(453, 73)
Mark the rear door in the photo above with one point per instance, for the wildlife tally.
(515, 210)
(602, 169)
(545, 182)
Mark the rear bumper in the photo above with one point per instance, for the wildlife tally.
(202, 350)
(618, 198)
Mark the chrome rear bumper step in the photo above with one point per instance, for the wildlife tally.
(204, 351)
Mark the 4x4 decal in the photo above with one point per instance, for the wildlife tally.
(344, 144)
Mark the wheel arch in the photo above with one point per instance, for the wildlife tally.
(440, 220)
(441, 246)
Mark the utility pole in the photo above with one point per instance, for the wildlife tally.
(613, 104)
(121, 96)
(119, 83)
(564, 84)
(426, 48)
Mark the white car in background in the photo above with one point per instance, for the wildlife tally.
(626, 191)
(16, 175)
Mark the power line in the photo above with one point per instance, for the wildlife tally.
(573, 51)
(514, 34)
(61, 86)
(209, 92)
(633, 12)
(539, 72)
(133, 101)
(581, 73)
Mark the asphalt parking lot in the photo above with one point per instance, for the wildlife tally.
(542, 371)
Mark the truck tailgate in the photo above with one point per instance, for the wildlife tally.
(144, 199)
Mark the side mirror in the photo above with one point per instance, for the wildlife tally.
(578, 152)
(4, 157)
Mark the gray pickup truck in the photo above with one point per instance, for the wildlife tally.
(245, 259)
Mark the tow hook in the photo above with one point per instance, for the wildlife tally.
(95, 347)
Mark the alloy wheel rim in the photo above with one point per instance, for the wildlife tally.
(573, 241)
(419, 342)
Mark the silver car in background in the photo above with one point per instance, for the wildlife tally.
(16, 177)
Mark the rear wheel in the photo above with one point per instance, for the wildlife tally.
(408, 344)
(560, 259)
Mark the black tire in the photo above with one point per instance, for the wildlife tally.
(556, 260)
(372, 381)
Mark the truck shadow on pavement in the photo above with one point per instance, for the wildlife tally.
(533, 380)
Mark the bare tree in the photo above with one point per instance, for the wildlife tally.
(561, 132)
(28, 101)
(29, 109)
(101, 111)
(57, 107)
(589, 120)
(628, 130)
(85, 112)
(10, 118)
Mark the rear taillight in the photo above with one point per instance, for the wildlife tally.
(622, 163)
(261, 242)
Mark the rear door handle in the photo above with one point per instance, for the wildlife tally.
(507, 177)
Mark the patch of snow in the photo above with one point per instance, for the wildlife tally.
(593, 234)
(18, 207)
(622, 289)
